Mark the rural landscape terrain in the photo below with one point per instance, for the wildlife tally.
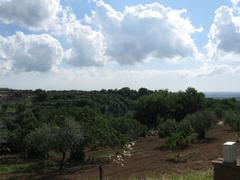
(119, 89)
(128, 134)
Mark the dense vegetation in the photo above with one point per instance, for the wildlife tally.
(38, 123)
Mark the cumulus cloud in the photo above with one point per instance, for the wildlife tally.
(87, 46)
(144, 31)
(213, 70)
(235, 2)
(224, 35)
(137, 34)
(33, 14)
(136, 74)
(28, 53)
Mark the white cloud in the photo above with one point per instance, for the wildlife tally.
(137, 34)
(33, 14)
(87, 46)
(235, 2)
(144, 31)
(213, 70)
(29, 53)
(224, 35)
(207, 77)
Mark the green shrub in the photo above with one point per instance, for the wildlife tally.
(177, 140)
(39, 142)
(167, 128)
(229, 117)
(201, 121)
(128, 127)
(14, 168)
(185, 127)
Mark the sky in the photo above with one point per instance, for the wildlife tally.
(108, 44)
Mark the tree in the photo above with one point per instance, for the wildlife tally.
(236, 127)
(177, 134)
(68, 138)
(148, 109)
(185, 128)
(229, 117)
(128, 127)
(127, 92)
(40, 95)
(176, 141)
(3, 138)
(40, 141)
(168, 105)
(194, 101)
(201, 121)
(234, 123)
(143, 92)
(167, 128)
(19, 125)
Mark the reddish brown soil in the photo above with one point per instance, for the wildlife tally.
(151, 158)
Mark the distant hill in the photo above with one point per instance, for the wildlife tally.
(223, 95)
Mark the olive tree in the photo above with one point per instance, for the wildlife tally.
(66, 138)
(201, 121)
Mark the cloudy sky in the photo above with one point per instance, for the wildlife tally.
(96, 44)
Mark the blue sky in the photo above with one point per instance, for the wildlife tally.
(96, 44)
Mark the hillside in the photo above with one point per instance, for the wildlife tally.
(151, 158)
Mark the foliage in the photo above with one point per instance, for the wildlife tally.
(14, 168)
(69, 138)
(66, 138)
(40, 141)
(40, 95)
(236, 124)
(69, 122)
(177, 140)
(19, 126)
(229, 117)
(170, 126)
(201, 121)
(130, 128)
(167, 128)
(168, 105)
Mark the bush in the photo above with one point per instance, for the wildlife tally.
(39, 142)
(177, 140)
(176, 133)
(201, 121)
(67, 138)
(236, 124)
(167, 128)
(229, 117)
(128, 127)
(185, 127)
(236, 127)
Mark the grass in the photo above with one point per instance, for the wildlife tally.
(208, 175)
(100, 155)
(14, 168)
(192, 176)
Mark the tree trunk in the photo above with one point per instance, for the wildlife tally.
(202, 135)
(62, 161)
(100, 172)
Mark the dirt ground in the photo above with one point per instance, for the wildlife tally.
(151, 158)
